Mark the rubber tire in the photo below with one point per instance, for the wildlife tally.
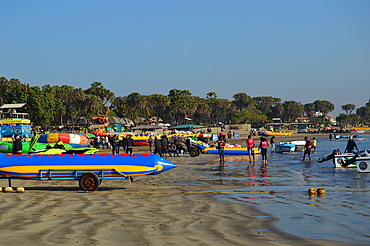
(89, 182)
(193, 153)
(198, 152)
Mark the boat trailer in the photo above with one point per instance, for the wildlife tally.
(88, 179)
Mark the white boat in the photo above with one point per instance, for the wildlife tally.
(339, 159)
(363, 165)
(299, 144)
(363, 161)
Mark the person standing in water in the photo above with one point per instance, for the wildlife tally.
(314, 144)
(221, 149)
(250, 146)
(351, 146)
(263, 146)
(307, 149)
(272, 142)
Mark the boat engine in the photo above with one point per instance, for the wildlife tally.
(331, 156)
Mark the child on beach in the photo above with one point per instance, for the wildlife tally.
(313, 144)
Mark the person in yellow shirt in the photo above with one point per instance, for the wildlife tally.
(313, 144)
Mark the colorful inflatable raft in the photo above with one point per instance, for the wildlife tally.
(90, 170)
(75, 140)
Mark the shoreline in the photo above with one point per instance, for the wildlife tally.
(153, 210)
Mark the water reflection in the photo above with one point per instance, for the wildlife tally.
(338, 214)
(236, 170)
(221, 173)
(264, 176)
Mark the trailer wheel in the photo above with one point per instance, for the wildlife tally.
(89, 182)
(198, 152)
(193, 153)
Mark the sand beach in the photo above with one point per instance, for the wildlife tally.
(152, 210)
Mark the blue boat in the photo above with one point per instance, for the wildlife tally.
(285, 147)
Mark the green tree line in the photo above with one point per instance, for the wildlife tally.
(51, 105)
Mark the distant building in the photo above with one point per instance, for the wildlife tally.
(14, 120)
(331, 117)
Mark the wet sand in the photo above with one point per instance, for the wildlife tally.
(152, 210)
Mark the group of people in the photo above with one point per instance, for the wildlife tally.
(263, 145)
(231, 135)
(163, 147)
(126, 143)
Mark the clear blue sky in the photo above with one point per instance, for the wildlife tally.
(295, 50)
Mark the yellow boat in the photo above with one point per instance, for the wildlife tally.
(270, 133)
(361, 128)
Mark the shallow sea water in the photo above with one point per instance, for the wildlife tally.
(281, 190)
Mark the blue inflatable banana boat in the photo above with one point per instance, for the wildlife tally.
(90, 170)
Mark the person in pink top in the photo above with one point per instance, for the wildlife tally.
(250, 146)
(263, 146)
